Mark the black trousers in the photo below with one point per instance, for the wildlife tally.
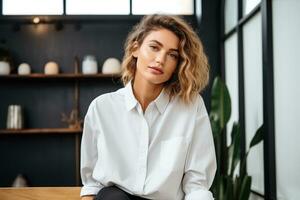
(115, 193)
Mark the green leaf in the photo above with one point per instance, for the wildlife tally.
(236, 187)
(236, 154)
(221, 190)
(229, 188)
(246, 188)
(217, 141)
(215, 126)
(243, 168)
(220, 103)
(258, 137)
(230, 157)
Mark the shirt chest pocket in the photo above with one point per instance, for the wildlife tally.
(173, 154)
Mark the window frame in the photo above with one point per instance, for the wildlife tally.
(104, 16)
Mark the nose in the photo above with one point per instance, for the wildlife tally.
(160, 58)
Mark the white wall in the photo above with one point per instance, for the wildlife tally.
(286, 33)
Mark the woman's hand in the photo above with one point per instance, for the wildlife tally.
(89, 197)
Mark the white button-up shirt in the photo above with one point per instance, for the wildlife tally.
(165, 153)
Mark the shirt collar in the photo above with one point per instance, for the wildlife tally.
(161, 101)
(129, 97)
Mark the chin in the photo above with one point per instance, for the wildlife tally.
(156, 81)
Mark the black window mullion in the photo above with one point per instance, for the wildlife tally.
(130, 7)
(64, 7)
(268, 102)
(222, 41)
(241, 79)
(1, 8)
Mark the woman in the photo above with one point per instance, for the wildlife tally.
(152, 139)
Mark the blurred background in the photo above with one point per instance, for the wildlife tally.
(58, 55)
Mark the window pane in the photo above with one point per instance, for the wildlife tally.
(231, 72)
(286, 29)
(97, 7)
(32, 7)
(249, 5)
(231, 17)
(180, 7)
(254, 98)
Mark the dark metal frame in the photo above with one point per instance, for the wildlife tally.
(64, 18)
(241, 86)
(1, 13)
(60, 20)
(268, 102)
(268, 87)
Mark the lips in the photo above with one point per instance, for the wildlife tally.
(157, 70)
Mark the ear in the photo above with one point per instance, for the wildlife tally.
(136, 49)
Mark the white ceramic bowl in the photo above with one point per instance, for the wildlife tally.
(111, 66)
(24, 69)
(51, 68)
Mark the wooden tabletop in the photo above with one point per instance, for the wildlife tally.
(40, 193)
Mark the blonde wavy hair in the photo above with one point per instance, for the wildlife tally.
(192, 72)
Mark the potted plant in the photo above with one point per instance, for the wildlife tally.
(228, 184)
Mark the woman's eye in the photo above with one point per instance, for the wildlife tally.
(174, 56)
(155, 48)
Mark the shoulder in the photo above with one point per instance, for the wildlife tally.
(195, 104)
(186, 110)
(200, 106)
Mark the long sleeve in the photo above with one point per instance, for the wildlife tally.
(89, 154)
(200, 164)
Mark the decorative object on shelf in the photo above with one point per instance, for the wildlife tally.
(89, 65)
(5, 62)
(76, 65)
(51, 68)
(111, 66)
(20, 181)
(73, 120)
(24, 69)
(4, 68)
(14, 117)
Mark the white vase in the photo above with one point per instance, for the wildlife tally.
(4, 68)
(89, 65)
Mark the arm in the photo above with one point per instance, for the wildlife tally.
(88, 197)
(200, 166)
(89, 155)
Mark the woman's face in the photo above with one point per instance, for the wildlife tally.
(157, 56)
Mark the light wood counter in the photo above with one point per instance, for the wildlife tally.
(40, 193)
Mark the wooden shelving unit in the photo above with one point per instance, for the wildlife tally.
(40, 131)
(77, 79)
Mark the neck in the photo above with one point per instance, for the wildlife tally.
(145, 92)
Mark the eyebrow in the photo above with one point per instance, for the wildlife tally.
(160, 44)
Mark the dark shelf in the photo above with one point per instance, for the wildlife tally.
(58, 76)
(40, 131)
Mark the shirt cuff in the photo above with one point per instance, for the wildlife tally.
(199, 194)
(90, 190)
